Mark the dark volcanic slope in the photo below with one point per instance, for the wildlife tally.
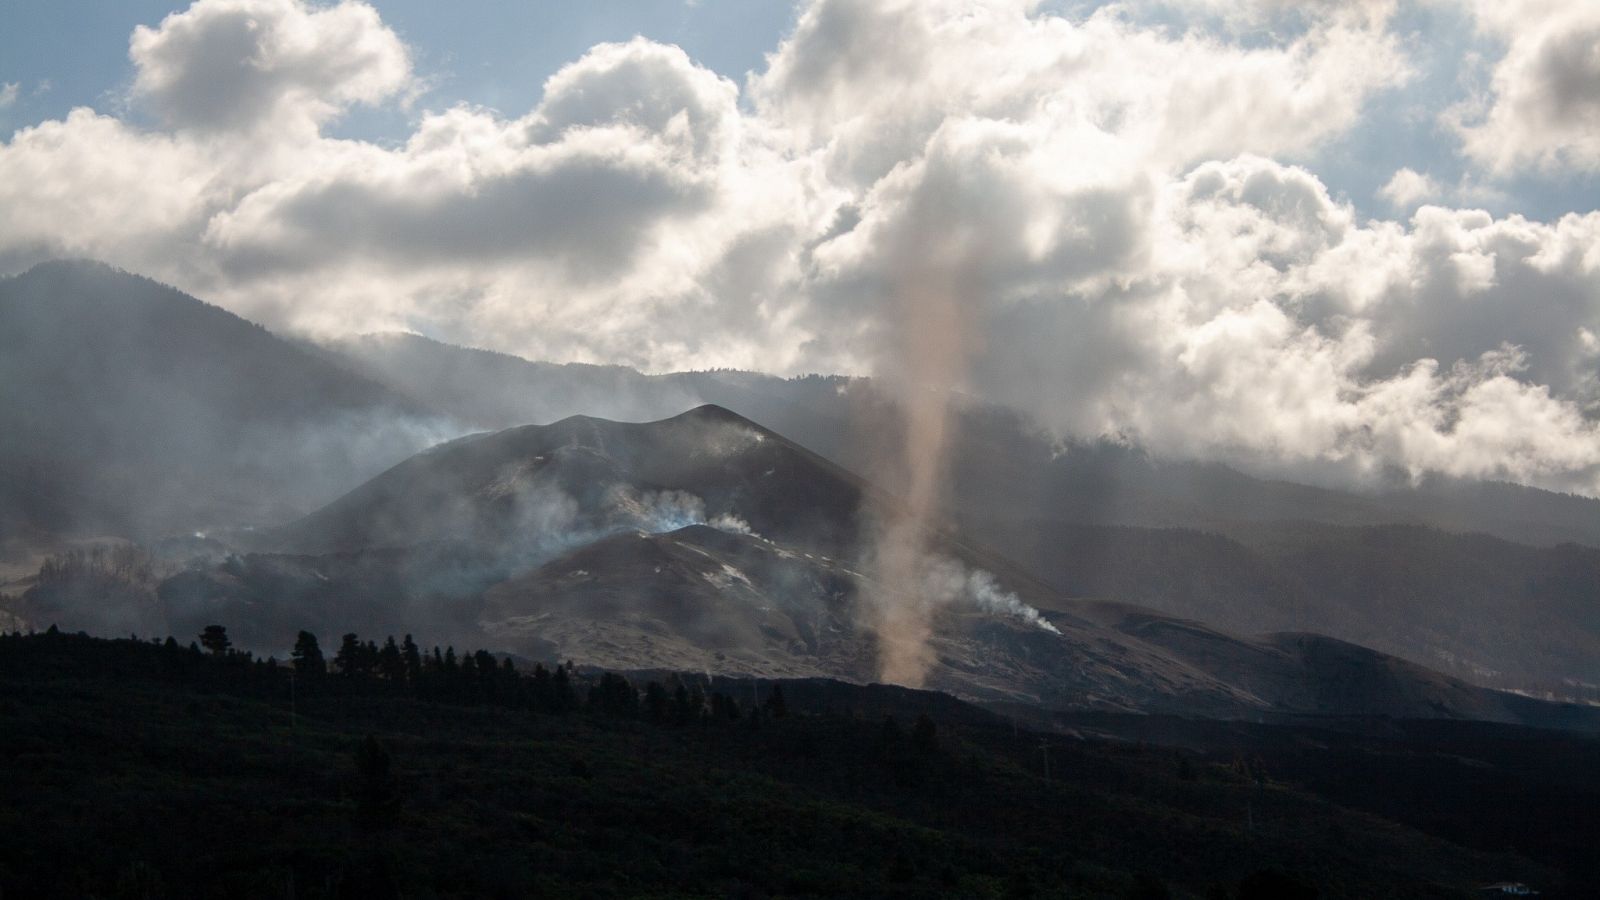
(707, 543)
(1295, 671)
(1478, 607)
(1193, 539)
(700, 599)
(131, 407)
(541, 487)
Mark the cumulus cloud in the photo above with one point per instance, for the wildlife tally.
(627, 138)
(1120, 220)
(870, 82)
(89, 185)
(1272, 326)
(1407, 188)
(266, 66)
(1543, 107)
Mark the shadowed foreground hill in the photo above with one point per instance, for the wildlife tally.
(200, 776)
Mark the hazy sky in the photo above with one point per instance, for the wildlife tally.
(1348, 233)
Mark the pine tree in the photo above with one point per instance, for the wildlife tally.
(308, 656)
(411, 657)
(614, 695)
(775, 705)
(348, 659)
(724, 707)
(543, 692)
(488, 674)
(213, 638)
(507, 686)
(391, 665)
(562, 693)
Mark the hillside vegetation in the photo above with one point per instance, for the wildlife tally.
(208, 773)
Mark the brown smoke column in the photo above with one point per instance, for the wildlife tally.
(929, 348)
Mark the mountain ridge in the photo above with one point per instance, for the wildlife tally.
(138, 409)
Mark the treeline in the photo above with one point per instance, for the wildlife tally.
(402, 667)
(481, 677)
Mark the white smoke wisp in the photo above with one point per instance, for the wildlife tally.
(987, 593)
(547, 520)
(732, 524)
(656, 512)
(947, 581)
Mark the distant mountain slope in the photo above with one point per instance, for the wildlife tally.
(130, 407)
(705, 542)
(699, 599)
(1002, 465)
(1302, 672)
(1193, 539)
(1479, 607)
(496, 390)
(133, 409)
(704, 600)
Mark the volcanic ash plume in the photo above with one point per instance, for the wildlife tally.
(929, 352)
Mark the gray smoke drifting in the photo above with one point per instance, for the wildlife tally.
(983, 590)
(945, 581)
(656, 512)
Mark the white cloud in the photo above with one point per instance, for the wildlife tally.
(1407, 188)
(1543, 108)
(89, 185)
(8, 94)
(1273, 326)
(269, 67)
(870, 82)
(1107, 214)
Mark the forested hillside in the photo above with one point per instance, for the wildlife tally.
(195, 771)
